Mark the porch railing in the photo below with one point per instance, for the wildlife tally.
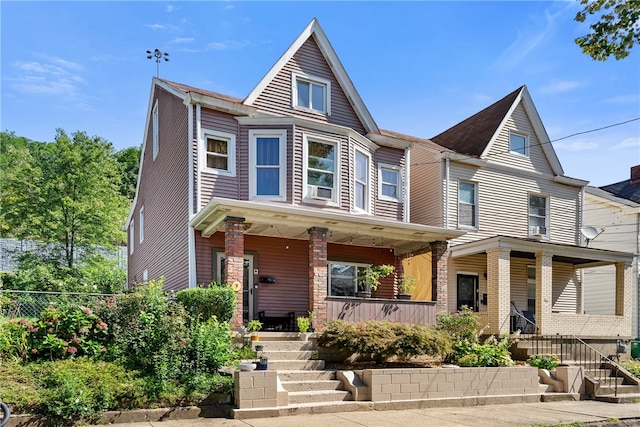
(363, 309)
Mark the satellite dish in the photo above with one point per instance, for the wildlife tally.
(590, 233)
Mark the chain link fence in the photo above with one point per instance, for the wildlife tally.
(29, 304)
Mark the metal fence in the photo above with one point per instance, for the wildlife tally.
(29, 304)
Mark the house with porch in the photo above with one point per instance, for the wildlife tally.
(286, 195)
(521, 261)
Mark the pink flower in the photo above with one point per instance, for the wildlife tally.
(87, 311)
(72, 350)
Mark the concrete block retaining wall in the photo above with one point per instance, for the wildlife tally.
(255, 389)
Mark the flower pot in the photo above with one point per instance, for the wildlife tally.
(363, 294)
(304, 336)
(403, 296)
(259, 347)
(255, 337)
(262, 364)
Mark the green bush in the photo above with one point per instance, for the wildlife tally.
(203, 303)
(380, 340)
(210, 346)
(492, 352)
(461, 326)
(147, 332)
(544, 361)
(633, 366)
(14, 339)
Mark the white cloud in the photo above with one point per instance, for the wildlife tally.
(633, 142)
(56, 77)
(179, 40)
(561, 86)
(155, 26)
(170, 8)
(575, 146)
(227, 44)
(622, 99)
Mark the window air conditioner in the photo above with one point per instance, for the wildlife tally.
(538, 231)
(322, 193)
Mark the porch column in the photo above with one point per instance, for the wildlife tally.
(544, 292)
(624, 297)
(439, 277)
(318, 274)
(234, 261)
(499, 290)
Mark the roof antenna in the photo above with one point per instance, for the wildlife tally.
(159, 55)
(590, 233)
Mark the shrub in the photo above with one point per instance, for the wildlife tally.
(544, 361)
(14, 339)
(379, 340)
(492, 352)
(462, 325)
(210, 346)
(633, 367)
(203, 303)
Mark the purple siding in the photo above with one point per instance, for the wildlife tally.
(163, 192)
(386, 208)
(276, 97)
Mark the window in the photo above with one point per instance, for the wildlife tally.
(141, 224)
(132, 236)
(267, 159)
(343, 278)
(312, 93)
(389, 183)
(518, 144)
(219, 152)
(538, 215)
(156, 139)
(321, 167)
(467, 202)
(361, 181)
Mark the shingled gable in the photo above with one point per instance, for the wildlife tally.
(475, 135)
(314, 30)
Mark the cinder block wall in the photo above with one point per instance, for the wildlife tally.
(255, 389)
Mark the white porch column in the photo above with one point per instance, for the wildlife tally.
(499, 290)
(544, 291)
(624, 295)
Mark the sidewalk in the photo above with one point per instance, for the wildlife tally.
(516, 414)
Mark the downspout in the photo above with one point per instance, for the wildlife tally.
(406, 217)
(446, 193)
(191, 231)
(581, 223)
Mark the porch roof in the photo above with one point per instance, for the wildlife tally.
(579, 256)
(292, 222)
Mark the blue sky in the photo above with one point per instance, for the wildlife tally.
(420, 67)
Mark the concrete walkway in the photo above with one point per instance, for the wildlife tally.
(516, 414)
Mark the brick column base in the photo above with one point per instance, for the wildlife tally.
(234, 261)
(318, 275)
(439, 276)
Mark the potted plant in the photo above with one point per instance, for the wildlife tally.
(406, 286)
(254, 326)
(369, 278)
(312, 317)
(303, 327)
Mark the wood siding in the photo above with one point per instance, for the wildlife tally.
(361, 310)
(164, 193)
(277, 96)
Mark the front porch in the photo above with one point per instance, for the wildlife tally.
(545, 279)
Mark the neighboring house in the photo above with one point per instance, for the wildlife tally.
(286, 194)
(496, 176)
(614, 211)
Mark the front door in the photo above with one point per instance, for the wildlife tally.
(249, 290)
(467, 291)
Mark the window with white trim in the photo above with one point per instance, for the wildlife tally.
(389, 183)
(267, 164)
(361, 181)
(467, 204)
(343, 278)
(219, 152)
(156, 132)
(321, 169)
(312, 93)
(141, 224)
(518, 144)
(132, 236)
(538, 215)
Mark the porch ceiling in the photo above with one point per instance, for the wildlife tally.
(292, 222)
(579, 256)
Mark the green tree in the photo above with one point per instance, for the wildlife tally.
(129, 160)
(64, 195)
(616, 30)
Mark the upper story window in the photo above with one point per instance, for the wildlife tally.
(141, 224)
(313, 93)
(132, 236)
(156, 138)
(467, 204)
(220, 152)
(321, 169)
(518, 144)
(267, 164)
(361, 184)
(538, 215)
(389, 183)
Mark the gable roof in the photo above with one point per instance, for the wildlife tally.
(625, 190)
(314, 30)
(475, 136)
(612, 197)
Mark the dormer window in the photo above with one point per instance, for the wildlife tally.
(312, 93)
(518, 144)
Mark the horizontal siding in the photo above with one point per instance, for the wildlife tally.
(164, 193)
(276, 97)
(503, 204)
(519, 123)
(386, 208)
(426, 187)
(565, 289)
(359, 310)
